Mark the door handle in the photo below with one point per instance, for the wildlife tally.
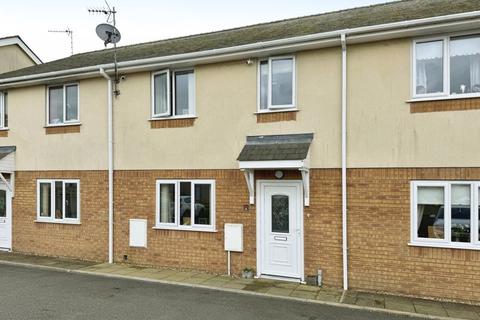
(280, 238)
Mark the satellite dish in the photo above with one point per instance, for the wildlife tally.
(108, 33)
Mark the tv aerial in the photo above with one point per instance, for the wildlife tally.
(109, 34)
(69, 33)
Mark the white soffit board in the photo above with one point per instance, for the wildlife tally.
(233, 237)
(138, 233)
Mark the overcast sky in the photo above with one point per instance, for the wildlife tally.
(144, 20)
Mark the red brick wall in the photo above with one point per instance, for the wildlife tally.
(88, 241)
(380, 258)
(379, 233)
(135, 198)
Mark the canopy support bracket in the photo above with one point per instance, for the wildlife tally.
(250, 179)
(306, 185)
(10, 185)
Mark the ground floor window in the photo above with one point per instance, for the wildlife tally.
(58, 201)
(185, 204)
(446, 213)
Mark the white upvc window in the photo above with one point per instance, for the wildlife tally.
(63, 104)
(58, 201)
(276, 84)
(175, 200)
(446, 67)
(445, 214)
(3, 110)
(173, 94)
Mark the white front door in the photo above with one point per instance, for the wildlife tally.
(280, 229)
(5, 218)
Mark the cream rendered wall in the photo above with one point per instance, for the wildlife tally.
(36, 150)
(383, 132)
(12, 57)
(226, 102)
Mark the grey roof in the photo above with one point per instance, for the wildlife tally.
(338, 20)
(276, 147)
(5, 151)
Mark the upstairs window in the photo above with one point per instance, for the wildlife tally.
(3, 110)
(447, 67)
(173, 94)
(58, 201)
(276, 84)
(62, 104)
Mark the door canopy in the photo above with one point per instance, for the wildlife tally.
(289, 151)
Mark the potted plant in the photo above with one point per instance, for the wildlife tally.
(248, 273)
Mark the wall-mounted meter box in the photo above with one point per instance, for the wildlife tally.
(233, 237)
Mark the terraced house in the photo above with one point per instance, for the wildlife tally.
(344, 142)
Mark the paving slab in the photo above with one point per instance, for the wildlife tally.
(276, 291)
(399, 304)
(286, 285)
(370, 300)
(461, 311)
(429, 308)
(304, 287)
(217, 281)
(234, 285)
(304, 294)
(328, 296)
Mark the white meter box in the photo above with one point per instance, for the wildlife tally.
(233, 237)
(138, 233)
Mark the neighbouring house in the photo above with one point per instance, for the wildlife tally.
(345, 142)
(15, 54)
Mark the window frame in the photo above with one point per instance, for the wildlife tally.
(3, 103)
(270, 107)
(52, 218)
(176, 225)
(446, 39)
(446, 242)
(171, 89)
(65, 122)
(169, 106)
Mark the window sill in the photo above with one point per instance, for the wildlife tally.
(4, 129)
(70, 128)
(58, 222)
(172, 118)
(465, 246)
(277, 111)
(440, 98)
(185, 229)
(62, 125)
